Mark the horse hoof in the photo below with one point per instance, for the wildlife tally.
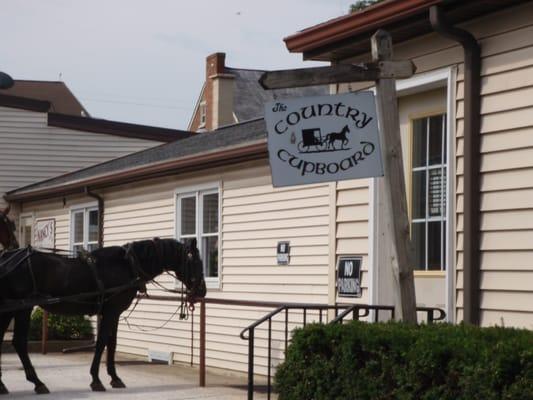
(3, 389)
(41, 389)
(117, 384)
(97, 387)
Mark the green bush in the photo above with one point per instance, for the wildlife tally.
(398, 361)
(60, 327)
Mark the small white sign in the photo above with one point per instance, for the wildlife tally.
(45, 233)
(283, 253)
(323, 138)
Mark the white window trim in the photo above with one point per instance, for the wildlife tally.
(444, 77)
(203, 188)
(85, 208)
(427, 218)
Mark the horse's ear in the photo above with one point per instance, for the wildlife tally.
(6, 211)
(194, 244)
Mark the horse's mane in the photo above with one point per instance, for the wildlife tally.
(157, 252)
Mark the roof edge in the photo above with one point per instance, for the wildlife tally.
(124, 129)
(355, 23)
(195, 162)
(24, 103)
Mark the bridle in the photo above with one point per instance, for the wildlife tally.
(143, 277)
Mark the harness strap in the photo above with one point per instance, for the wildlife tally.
(91, 262)
(12, 263)
(32, 275)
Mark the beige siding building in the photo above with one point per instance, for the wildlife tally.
(216, 187)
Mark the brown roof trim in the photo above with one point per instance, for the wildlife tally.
(195, 162)
(369, 19)
(124, 129)
(24, 103)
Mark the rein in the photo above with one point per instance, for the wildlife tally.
(183, 308)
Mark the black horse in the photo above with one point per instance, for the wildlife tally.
(103, 283)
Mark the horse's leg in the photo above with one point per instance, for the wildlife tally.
(101, 342)
(5, 319)
(20, 343)
(116, 382)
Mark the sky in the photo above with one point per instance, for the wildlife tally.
(144, 61)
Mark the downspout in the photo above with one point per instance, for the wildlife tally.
(100, 215)
(472, 124)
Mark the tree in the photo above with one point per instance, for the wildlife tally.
(362, 4)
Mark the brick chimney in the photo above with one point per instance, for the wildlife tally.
(218, 96)
(215, 64)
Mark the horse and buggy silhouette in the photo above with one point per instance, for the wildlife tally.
(103, 282)
(314, 142)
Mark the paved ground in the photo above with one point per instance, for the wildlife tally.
(67, 377)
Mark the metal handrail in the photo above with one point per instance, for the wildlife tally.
(367, 308)
(430, 311)
(251, 336)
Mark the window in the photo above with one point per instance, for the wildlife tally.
(203, 113)
(428, 192)
(198, 218)
(84, 229)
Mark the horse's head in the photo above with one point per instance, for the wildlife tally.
(193, 272)
(152, 257)
(7, 231)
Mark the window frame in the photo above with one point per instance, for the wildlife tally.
(444, 164)
(85, 209)
(198, 191)
(202, 111)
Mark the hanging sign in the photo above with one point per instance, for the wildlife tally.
(323, 138)
(45, 233)
(349, 277)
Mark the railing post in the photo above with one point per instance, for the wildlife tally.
(202, 343)
(251, 364)
(269, 386)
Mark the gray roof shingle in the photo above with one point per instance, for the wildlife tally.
(249, 97)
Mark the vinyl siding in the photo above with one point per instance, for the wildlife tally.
(254, 217)
(352, 229)
(506, 163)
(32, 151)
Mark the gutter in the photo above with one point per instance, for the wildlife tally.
(366, 20)
(472, 124)
(100, 215)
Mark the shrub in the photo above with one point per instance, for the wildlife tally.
(406, 362)
(60, 327)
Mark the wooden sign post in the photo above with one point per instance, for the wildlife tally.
(383, 71)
